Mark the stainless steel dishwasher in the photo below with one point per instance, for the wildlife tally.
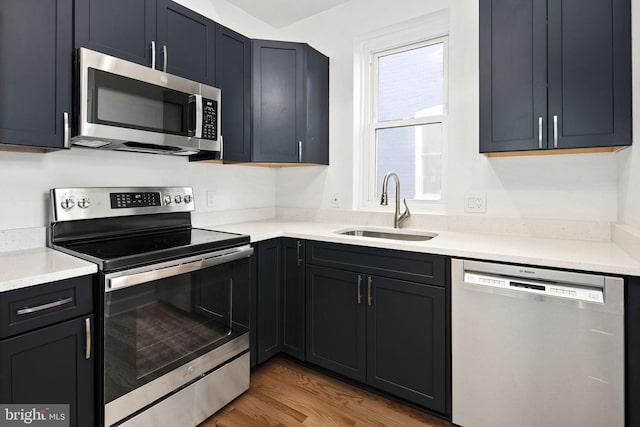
(536, 347)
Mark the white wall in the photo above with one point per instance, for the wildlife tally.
(240, 192)
(629, 159)
(27, 177)
(580, 187)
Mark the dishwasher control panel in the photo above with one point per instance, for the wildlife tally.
(583, 293)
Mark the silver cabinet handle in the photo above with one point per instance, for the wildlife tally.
(555, 131)
(369, 296)
(67, 130)
(359, 289)
(165, 56)
(298, 246)
(221, 147)
(44, 306)
(153, 54)
(87, 334)
(299, 151)
(540, 132)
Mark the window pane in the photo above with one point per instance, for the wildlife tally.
(410, 83)
(414, 153)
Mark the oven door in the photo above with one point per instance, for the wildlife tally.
(167, 325)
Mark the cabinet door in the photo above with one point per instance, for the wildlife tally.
(406, 342)
(269, 299)
(121, 28)
(278, 99)
(513, 75)
(315, 144)
(233, 77)
(336, 319)
(35, 71)
(186, 42)
(590, 73)
(632, 328)
(50, 366)
(293, 300)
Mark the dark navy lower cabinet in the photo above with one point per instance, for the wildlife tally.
(46, 347)
(268, 328)
(380, 317)
(36, 77)
(632, 326)
(278, 299)
(406, 340)
(336, 321)
(293, 298)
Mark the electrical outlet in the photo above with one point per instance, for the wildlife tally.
(475, 202)
(211, 199)
(335, 200)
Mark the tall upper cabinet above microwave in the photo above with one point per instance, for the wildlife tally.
(160, 34)
(554, 75)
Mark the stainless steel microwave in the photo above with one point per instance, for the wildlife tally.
(125, 106)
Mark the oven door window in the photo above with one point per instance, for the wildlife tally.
(123, 102)
(153, 328)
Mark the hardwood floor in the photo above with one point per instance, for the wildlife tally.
(284, 393)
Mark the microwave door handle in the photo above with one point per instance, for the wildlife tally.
(153, 54)
(165, 57)
(195, 102)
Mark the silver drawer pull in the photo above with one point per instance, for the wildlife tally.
(44, 306)
(87, 333)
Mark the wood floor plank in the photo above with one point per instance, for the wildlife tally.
(288, 394)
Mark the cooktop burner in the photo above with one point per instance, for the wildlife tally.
(116, 253)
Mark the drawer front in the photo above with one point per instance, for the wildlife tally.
(30, 308)
(411, 266)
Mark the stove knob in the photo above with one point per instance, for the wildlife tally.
(67, 203)
(84, 203)
(167, 200)
(187, 198)
(178, 198)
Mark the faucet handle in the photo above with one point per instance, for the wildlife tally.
(406, 207)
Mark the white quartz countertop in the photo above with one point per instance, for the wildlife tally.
(30, 267)
(592, 256)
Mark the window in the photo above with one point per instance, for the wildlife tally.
(404, 108)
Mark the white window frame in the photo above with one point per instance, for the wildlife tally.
(423, 31)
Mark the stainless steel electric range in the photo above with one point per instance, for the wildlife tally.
(172, 302)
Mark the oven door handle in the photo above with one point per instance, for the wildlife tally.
(126, 280)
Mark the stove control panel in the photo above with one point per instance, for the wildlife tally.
(68, 204)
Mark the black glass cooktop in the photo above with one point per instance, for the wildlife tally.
(135, 250)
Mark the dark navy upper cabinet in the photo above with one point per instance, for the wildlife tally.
(554, 74)
(186, 43)
(233, 77)
(121, 28)
(35, 71)
(290, 92)
(150, 33)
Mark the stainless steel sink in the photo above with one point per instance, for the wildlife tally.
(390, 234)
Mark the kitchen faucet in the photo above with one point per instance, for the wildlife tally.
(398, 219)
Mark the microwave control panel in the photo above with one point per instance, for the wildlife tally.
(204, 117)
(209, 118)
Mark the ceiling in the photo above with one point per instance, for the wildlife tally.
(280, 13)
